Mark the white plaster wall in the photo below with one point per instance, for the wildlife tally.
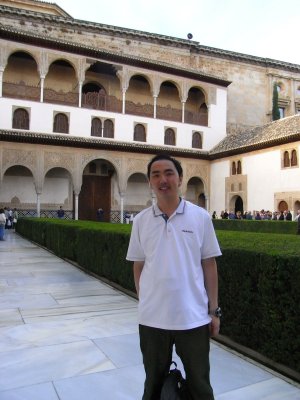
(19, 186)
(266, 177)
(219, 171)
(41, 120)
(55, 191)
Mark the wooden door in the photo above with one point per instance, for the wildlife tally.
(95, 193)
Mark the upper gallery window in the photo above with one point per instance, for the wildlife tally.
(20, 119)
(169, 137)
(139, 134)
(61, 123)
(197, 140)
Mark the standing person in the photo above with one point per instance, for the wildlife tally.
(2, 223)
(61, 213)
(173, 246)
(100, 214)
(15, 217)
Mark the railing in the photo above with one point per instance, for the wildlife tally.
(115, 215)
(54, 97)
(101, 101)
(169, 113)
(145, 110)
(21, 91)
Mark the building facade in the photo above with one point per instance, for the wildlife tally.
(84, 106)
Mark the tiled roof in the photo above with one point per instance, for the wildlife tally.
(275, 133)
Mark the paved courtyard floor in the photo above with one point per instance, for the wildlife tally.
(65, 335)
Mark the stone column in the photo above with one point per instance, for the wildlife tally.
(154, 106)
(80, 94)
(42, 88)
(38, 204)
(76, 195)
(123, 100)
(1, 80)
(183, 109)
(122, 208)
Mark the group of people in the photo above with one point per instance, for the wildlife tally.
(257, 215)
(8, 219)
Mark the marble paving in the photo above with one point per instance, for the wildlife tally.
(65, 335)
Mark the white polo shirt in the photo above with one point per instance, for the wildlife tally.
(172, 293)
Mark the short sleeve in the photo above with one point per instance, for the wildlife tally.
(135, 251)
(210, 247)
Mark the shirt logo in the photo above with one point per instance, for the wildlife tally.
(187, 231)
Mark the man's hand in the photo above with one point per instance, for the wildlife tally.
(214, 326)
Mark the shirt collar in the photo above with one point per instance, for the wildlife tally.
(180, 209)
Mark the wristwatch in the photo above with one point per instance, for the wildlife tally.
(217, 312)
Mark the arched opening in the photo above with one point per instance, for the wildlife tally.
(57, 191)
(196, 111)
(239, 205)
(93, 96)
(139, 100)
(296, 207)
(138, 194)
(61, 84)
(97, 190)
(18, 189)
(195, 192)
(21, 78)
(168, 103)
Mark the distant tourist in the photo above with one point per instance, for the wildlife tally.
(61, 213)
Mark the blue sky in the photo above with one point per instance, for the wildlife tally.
(264, 28)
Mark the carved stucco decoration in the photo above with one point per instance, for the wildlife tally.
(92, 156)
(24, 158)
(59, 160)
(3, 56)
(136, 166)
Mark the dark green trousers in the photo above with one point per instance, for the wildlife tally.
(192, 346)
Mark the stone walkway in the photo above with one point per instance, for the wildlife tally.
(65, 335)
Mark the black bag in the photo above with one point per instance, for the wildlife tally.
(174, 387)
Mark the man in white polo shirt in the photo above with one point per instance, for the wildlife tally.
(173, 246)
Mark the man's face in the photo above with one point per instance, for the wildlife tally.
(164, 179)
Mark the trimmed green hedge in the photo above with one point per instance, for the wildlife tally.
(259, 276)
(262, 226)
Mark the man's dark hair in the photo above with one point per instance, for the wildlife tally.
(165, 157)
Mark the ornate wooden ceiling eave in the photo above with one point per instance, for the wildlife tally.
(254, 147)
(66, 140)
(37, 40)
